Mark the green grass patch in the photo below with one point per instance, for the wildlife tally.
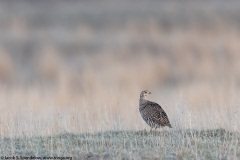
(172, 144)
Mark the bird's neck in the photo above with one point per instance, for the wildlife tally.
(142, 99)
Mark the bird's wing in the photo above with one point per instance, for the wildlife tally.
(159, 115)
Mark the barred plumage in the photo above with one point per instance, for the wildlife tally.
(152, 113)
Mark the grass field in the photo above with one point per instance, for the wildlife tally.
(168, 145)
(71, 73)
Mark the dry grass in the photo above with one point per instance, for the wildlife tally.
(79, 67)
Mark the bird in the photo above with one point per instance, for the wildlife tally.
(152, 113)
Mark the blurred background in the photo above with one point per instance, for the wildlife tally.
(70, 64)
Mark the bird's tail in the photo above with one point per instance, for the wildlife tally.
(169, 125)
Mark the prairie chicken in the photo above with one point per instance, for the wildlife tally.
(152, 113)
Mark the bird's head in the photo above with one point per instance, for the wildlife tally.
(144, 94)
